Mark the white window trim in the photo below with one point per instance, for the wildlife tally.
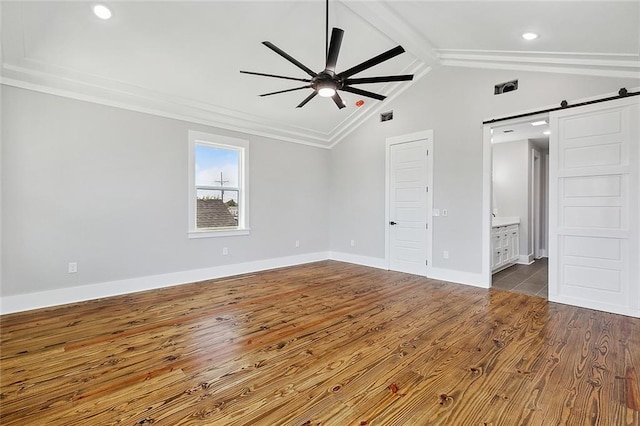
(243, 214)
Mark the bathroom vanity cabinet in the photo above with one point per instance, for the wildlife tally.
(505, 243)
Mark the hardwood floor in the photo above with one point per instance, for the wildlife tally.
(326, 343)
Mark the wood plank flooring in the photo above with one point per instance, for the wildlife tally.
(326, 343)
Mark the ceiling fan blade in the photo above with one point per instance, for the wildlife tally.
(334, 49)
(384, 79)
(276, 76)
(289, 58)
(363, 93)
(285, 91)
(372, 62)
(338, 100)
(307, 99)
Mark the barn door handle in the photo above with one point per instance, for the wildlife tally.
(392, 223)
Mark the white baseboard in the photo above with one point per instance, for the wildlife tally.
(450, 275)
(62, 296)
(543, 253)
(525, 259)
(460, 277)
(374, 262)
(598, 306)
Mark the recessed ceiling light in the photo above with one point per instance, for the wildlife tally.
(529, 36)
(539, 123)
(546, 132)
(102, 11)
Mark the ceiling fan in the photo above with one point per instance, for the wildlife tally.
(327, 82)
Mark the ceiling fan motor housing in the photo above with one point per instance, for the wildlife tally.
(325, 80)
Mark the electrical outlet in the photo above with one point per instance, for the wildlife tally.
(297, 243)
(445, 254)
(73, 267)
(225, 251)
(353, 243)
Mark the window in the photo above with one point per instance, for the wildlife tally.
(218, 185)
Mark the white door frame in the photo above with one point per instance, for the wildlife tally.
(428, 135)
(537, 202)
(487, 204)
(487, 194)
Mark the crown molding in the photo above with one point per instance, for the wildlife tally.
(595, 64)
(120, 95)
(376, 108)
(386, 20)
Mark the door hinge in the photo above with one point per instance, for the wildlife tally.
(426, 225)
(427, 189)
(426, 262)
(427, 152)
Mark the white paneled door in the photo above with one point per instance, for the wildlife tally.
(594, 192)
(408, 195)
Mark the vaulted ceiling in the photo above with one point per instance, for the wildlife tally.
(182, 59)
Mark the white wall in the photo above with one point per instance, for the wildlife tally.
(107, 188)
(511, 187)
(453, 102)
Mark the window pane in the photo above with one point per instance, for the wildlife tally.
(218, 185)
(216, 166)
(215, 209)
(219, 167)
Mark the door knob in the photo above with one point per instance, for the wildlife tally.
(392, 223)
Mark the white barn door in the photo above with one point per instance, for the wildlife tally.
(594, 191)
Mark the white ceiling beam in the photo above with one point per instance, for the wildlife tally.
(386, 20)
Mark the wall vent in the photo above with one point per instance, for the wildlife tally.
(386, 116)
(509, 86)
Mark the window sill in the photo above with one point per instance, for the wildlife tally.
(209, 233)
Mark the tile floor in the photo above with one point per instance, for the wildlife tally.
(530, 279)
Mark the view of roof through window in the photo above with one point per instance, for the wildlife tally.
(217, 186)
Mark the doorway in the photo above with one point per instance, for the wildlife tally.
(593, 186)
(519, 208)
(409, 171)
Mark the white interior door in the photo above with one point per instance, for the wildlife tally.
(593, 198)
(408, 196)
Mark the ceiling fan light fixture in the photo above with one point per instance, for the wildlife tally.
(326, 88)
(102, 11)
(327, 92)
